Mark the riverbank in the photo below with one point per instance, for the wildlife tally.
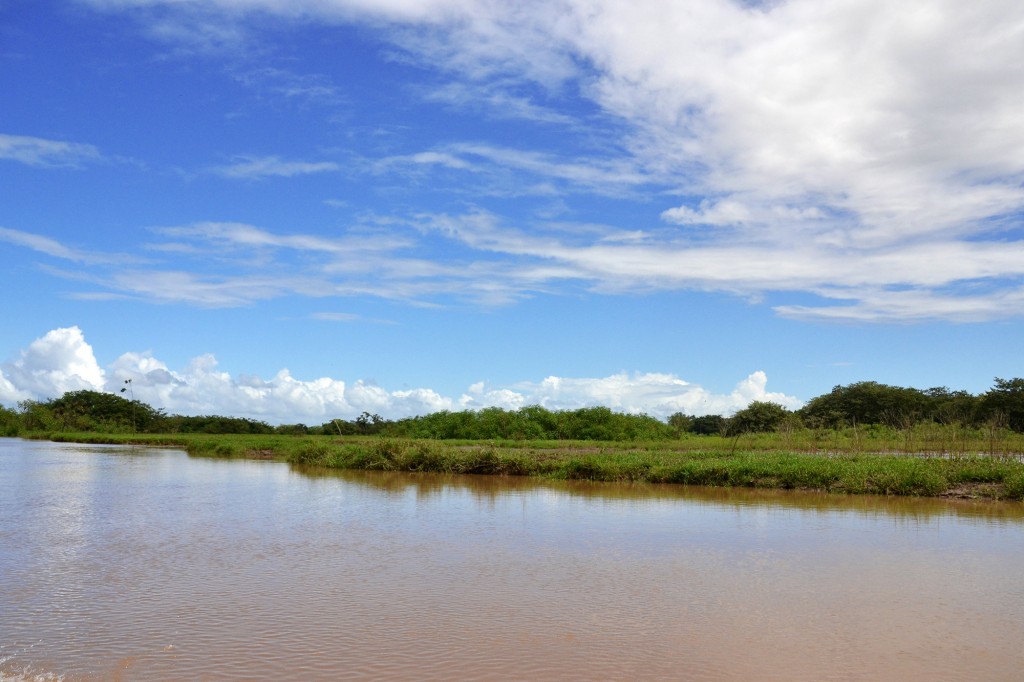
(721, 462)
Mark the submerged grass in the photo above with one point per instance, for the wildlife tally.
(721, 462)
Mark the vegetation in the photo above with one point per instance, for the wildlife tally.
(862, 438)
(761, 460)
(865, 404)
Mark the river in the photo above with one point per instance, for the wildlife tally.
(121, 563)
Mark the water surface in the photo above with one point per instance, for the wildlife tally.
(145, 564)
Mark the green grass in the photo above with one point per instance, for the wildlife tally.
(847, 473)
(787, 461)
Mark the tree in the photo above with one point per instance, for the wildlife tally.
(680, 422)
(369, 423)
(131, 393)
(952, 407)
(1006, 398)
(535, 421)
(708, 425)
(759, 417)
(866, 402)
(97, 411)
(10, 422)
(37, 416)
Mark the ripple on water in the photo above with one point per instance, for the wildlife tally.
(179, 568)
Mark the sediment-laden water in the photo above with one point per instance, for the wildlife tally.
(145, 564)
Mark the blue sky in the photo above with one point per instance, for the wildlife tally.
(301, 210)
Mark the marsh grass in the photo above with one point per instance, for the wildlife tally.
(969, 476)
(925, 462)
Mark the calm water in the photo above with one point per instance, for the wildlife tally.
(150, 565)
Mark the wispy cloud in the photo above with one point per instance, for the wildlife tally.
(867, 152)
(914, 306)
(43, 153)
(942, 279)
(602, 175)
(336, 317)
(938, 280)
(235, 264)
(503, 171)
(242, 235)
(259, 167)
(42, 244)
(52, 247)
(348, 317)
(277, 82)
(497, 100)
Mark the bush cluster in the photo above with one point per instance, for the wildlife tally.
(860, 404)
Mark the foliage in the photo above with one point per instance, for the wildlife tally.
(758, 417)
(10, 422)
(680, 423)
(216, 424)
(96, 411)
(531, 423)
(851, 414)
(292, 429)
(709, 425)
(1005, 401)
(869, 402)
(866, 402)
(844, 460)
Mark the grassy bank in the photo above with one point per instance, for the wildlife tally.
(758, 461)
(847, 473)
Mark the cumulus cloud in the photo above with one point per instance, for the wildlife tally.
(57, 362)
(9, 394)
(62, 360)
(652, 393)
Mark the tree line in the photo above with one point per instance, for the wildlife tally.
(863, 403)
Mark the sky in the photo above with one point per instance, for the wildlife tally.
(300, 210)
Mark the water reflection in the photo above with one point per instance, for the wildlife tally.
(425, 485)
(150, 565)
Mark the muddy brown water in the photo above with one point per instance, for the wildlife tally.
(145, 564)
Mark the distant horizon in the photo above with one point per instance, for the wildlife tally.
(65, 356)
(62, 361)
(280, 209)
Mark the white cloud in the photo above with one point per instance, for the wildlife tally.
(336, 317)
(912, 306)
(9, 394)
(241, 235)
(53, 364)
(42, 153)
(852, 149)
(40, 243)
(653, 393)
(504, 171)
(258, 167)
(52, 247)
(878, 278)
(494, 100)
(63, 361)
(306, 88)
